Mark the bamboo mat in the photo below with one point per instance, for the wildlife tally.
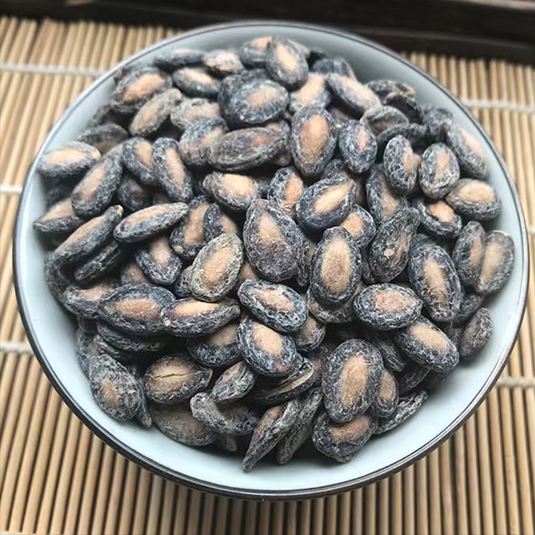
(57, 477)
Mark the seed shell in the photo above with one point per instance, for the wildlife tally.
(471, 302)
(313, 93)
(234, 383)
(169, 61)
(393, 359)
(340, 313)
(59, 219)
(177, 423)
(389, 251)
(191, 110)
(382, 118)
(387, 306)
(497, 264)
(198, 138)
(428, 346)
(435, 119)
(217, 222)
(132, 195)
(407, 406)
(415, 133)
(151, 117)
(387, 397)
(107, 258)
(94, 193)
(88, 238)
(399, 165)
(149, 222)
(216, 268)
(68, 161)
(313, 140)
(187, 239)
(468, 150)
(223, 62)
(337, 168)
(433, 277)
(474, 199)
(272, 427)
(104, 137)
(86, 350)
(342, 441)
(352, 95)
(272, 241)
(233, 191)
(301, 430)
(114, 388)
(83, 301)
(439, 171)
(357, 145)
(244, 149)
(158, 261)
(476, 334)
(196, 82)
(174, 379)
(383, 201)
(326, 203)
(130, 342)
(266, 351)
(191, 317)
(304, 261)
(335, 65)
(469, 251)
(285, 63)
(384, 87)
(138, 159)
(360, 224)
(438, 218)
(412, 375)
(336, 267)
(310, 336)
(232, 419)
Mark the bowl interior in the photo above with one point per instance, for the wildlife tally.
(53, 334)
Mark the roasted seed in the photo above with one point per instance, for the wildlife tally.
(216, 222)
(387, 397)
(177, 423)
(105, 348)
(407, 406)
(234, 383)
(158, 261)
(301, 430)
(114, 388)
(497, 264)
(231, 419)
(471, 302)
(152, 115)
(428, 346)
(174, 379)
(245, 149)
(179, 57)
(337, 168)
(415, 133)
(433, 277)
(285, 189)
(149, 222)
(383, 201)
(387, 306)
(360, 224)
(198, 138)
(468, 150)
(84, 301)
(86, 350)
(439, 171)
(342, 441)
(192, 110)
(133, 195)
(335, 65)
(135, 308)
(438, 218)
(357, 145)
(256, 102)
(274, 391)
(392, 357)
(138, 159)
(313, 140)
(223, 62)
(389, 251)
(285, 63)
(382, 118)
(272, 427)
(131, 273)
(326, 203)
(131, 342)
(253, 53)
(137, 87)
(399, 165)
(59, 219)
(474, 199)
(476, 334)
(93, 194)
(310, 336)
(104, 260)
(304, 261)
(190, 317)
(406, 104)
(336, 268)
(196, 82)
(88, 238)
(384, 87)
(350, 380)
(272, 241)
(216, 268)
(352, 95)
(265, 350)
(105, 137)
(436, 119)
(217, 350)
(68, 161)
(412, 375)
(340, 313)
(187, 239)
(313, 93)
(235, 192)
(468, 252)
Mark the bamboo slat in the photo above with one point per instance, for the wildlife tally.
(57, 477)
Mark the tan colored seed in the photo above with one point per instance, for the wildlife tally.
(476, 254)
(353, 379)
(64, 156)
(348, 432)
(476, 191)
(429, 337)
(336, 268)
(436, 280)
(138, 308)
(389, 301)
(192, 307)
(92, 181)
(441, 211)
(387, 389)
(491, 261)
(225, 336)
(145, 85)
(216, 266)
(238, 186)
(275, 298)
(314, 135)
(194, 230)
(198, 76)
(311, 90)
(332, 198)
(58, 211)
(268, 230)
(354, 224)
(262, 96)
(144, 153)
(286, 58)
(473, 143)
(266, 339)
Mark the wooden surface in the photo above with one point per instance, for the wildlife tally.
(56, 477)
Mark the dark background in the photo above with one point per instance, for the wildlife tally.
(491, 28)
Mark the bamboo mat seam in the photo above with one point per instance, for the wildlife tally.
(57, 477)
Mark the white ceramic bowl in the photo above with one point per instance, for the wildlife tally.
(52, 333)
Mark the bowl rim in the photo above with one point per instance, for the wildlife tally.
(312, 492)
